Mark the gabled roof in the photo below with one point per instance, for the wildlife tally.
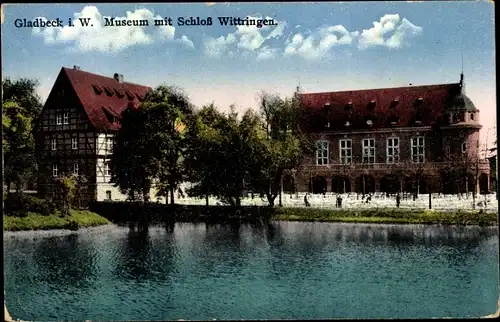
(98, 93)
(385, 107)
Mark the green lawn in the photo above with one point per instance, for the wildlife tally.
(388, 216)
(33, 221)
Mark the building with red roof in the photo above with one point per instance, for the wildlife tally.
(414, 138)
(75, 129)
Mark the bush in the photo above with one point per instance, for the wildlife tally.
(18, 204)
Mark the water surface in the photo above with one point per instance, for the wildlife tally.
(288, 270)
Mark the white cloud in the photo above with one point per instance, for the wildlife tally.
(249, 40)
(390, 31)
(186, 41)
(98, 37)
(319, 43)
(215, 47)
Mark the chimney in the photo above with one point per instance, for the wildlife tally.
(121, 78)
(116, 76)
(75, 67)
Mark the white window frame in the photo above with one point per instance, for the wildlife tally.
(107, 171)
(53, 144)
(74, 143)
(58, 118)
(55, 170)
(65, 118)
(368, 151)
(345, 145)
(109, 145)
(322, 148)
(418, 157)
(392, 150)
(464, 147)
(75, 168)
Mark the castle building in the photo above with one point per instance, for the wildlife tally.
(74, 132)
(406, 139)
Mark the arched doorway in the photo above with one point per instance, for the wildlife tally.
(483, 184)
(288, 184)
(365, 184)
(319, 185)
(416, 185)
(390, 184)
(341, 184)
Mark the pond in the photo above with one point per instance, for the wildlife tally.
(287, 270)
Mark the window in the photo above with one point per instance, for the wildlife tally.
(75, 168)
(74, 143)
(472, 116)
(54, 144)
(392, 150)
(66, 118)
(345, 151)
(464, 147)
(322, 152)
(368, 150)
(109, 145)
(58, 119)
(108, 194)
(106, 169)
(54, 170)
(417, 149)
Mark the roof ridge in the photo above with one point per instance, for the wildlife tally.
(100, 75)
(380, 89)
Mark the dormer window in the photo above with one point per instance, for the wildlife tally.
(326, 108)
(348, 106)
(372, 104)
(119, 93)
(369, 122)
(393, 120)
(129, 95)
(140, 97)
(327, 125)
(97, 89)
(347, 124)
(419, 101)
(394, 103)
(108, 91)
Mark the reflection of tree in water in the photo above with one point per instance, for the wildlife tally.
(66, 261)
(141, 258)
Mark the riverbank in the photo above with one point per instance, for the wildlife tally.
(77, 219)
(387, 216)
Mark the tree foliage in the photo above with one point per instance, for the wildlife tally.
(149, 145)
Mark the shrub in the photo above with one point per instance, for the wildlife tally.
(18, 204)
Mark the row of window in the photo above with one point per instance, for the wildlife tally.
(62, 118)
(55, 169)
(74, 144)
(368, 150)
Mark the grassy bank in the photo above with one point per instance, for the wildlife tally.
(33, 221)
(387, 216)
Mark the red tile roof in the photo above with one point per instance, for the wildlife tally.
(403, 105)
(98, 93)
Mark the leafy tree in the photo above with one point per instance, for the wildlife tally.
(18, 145)
(23, 91)
(280, 147)
(65, 187)
(149, 145)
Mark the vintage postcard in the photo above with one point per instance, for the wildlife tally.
(241, 161)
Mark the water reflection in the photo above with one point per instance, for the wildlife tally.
(281, 270)
(66, 261)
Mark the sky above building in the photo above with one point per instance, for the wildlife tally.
(319, 46)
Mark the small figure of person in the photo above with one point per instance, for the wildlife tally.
(339, 202)
(398, 200)
(369, 198)
(306, 202)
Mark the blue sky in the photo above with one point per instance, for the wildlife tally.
(324, 46)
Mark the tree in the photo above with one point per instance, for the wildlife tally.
(149, 145)
(278, 146)
(18, 145)
(23, 91)
(65, 188)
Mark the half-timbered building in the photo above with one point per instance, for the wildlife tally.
(391, 140)
(75, 130)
